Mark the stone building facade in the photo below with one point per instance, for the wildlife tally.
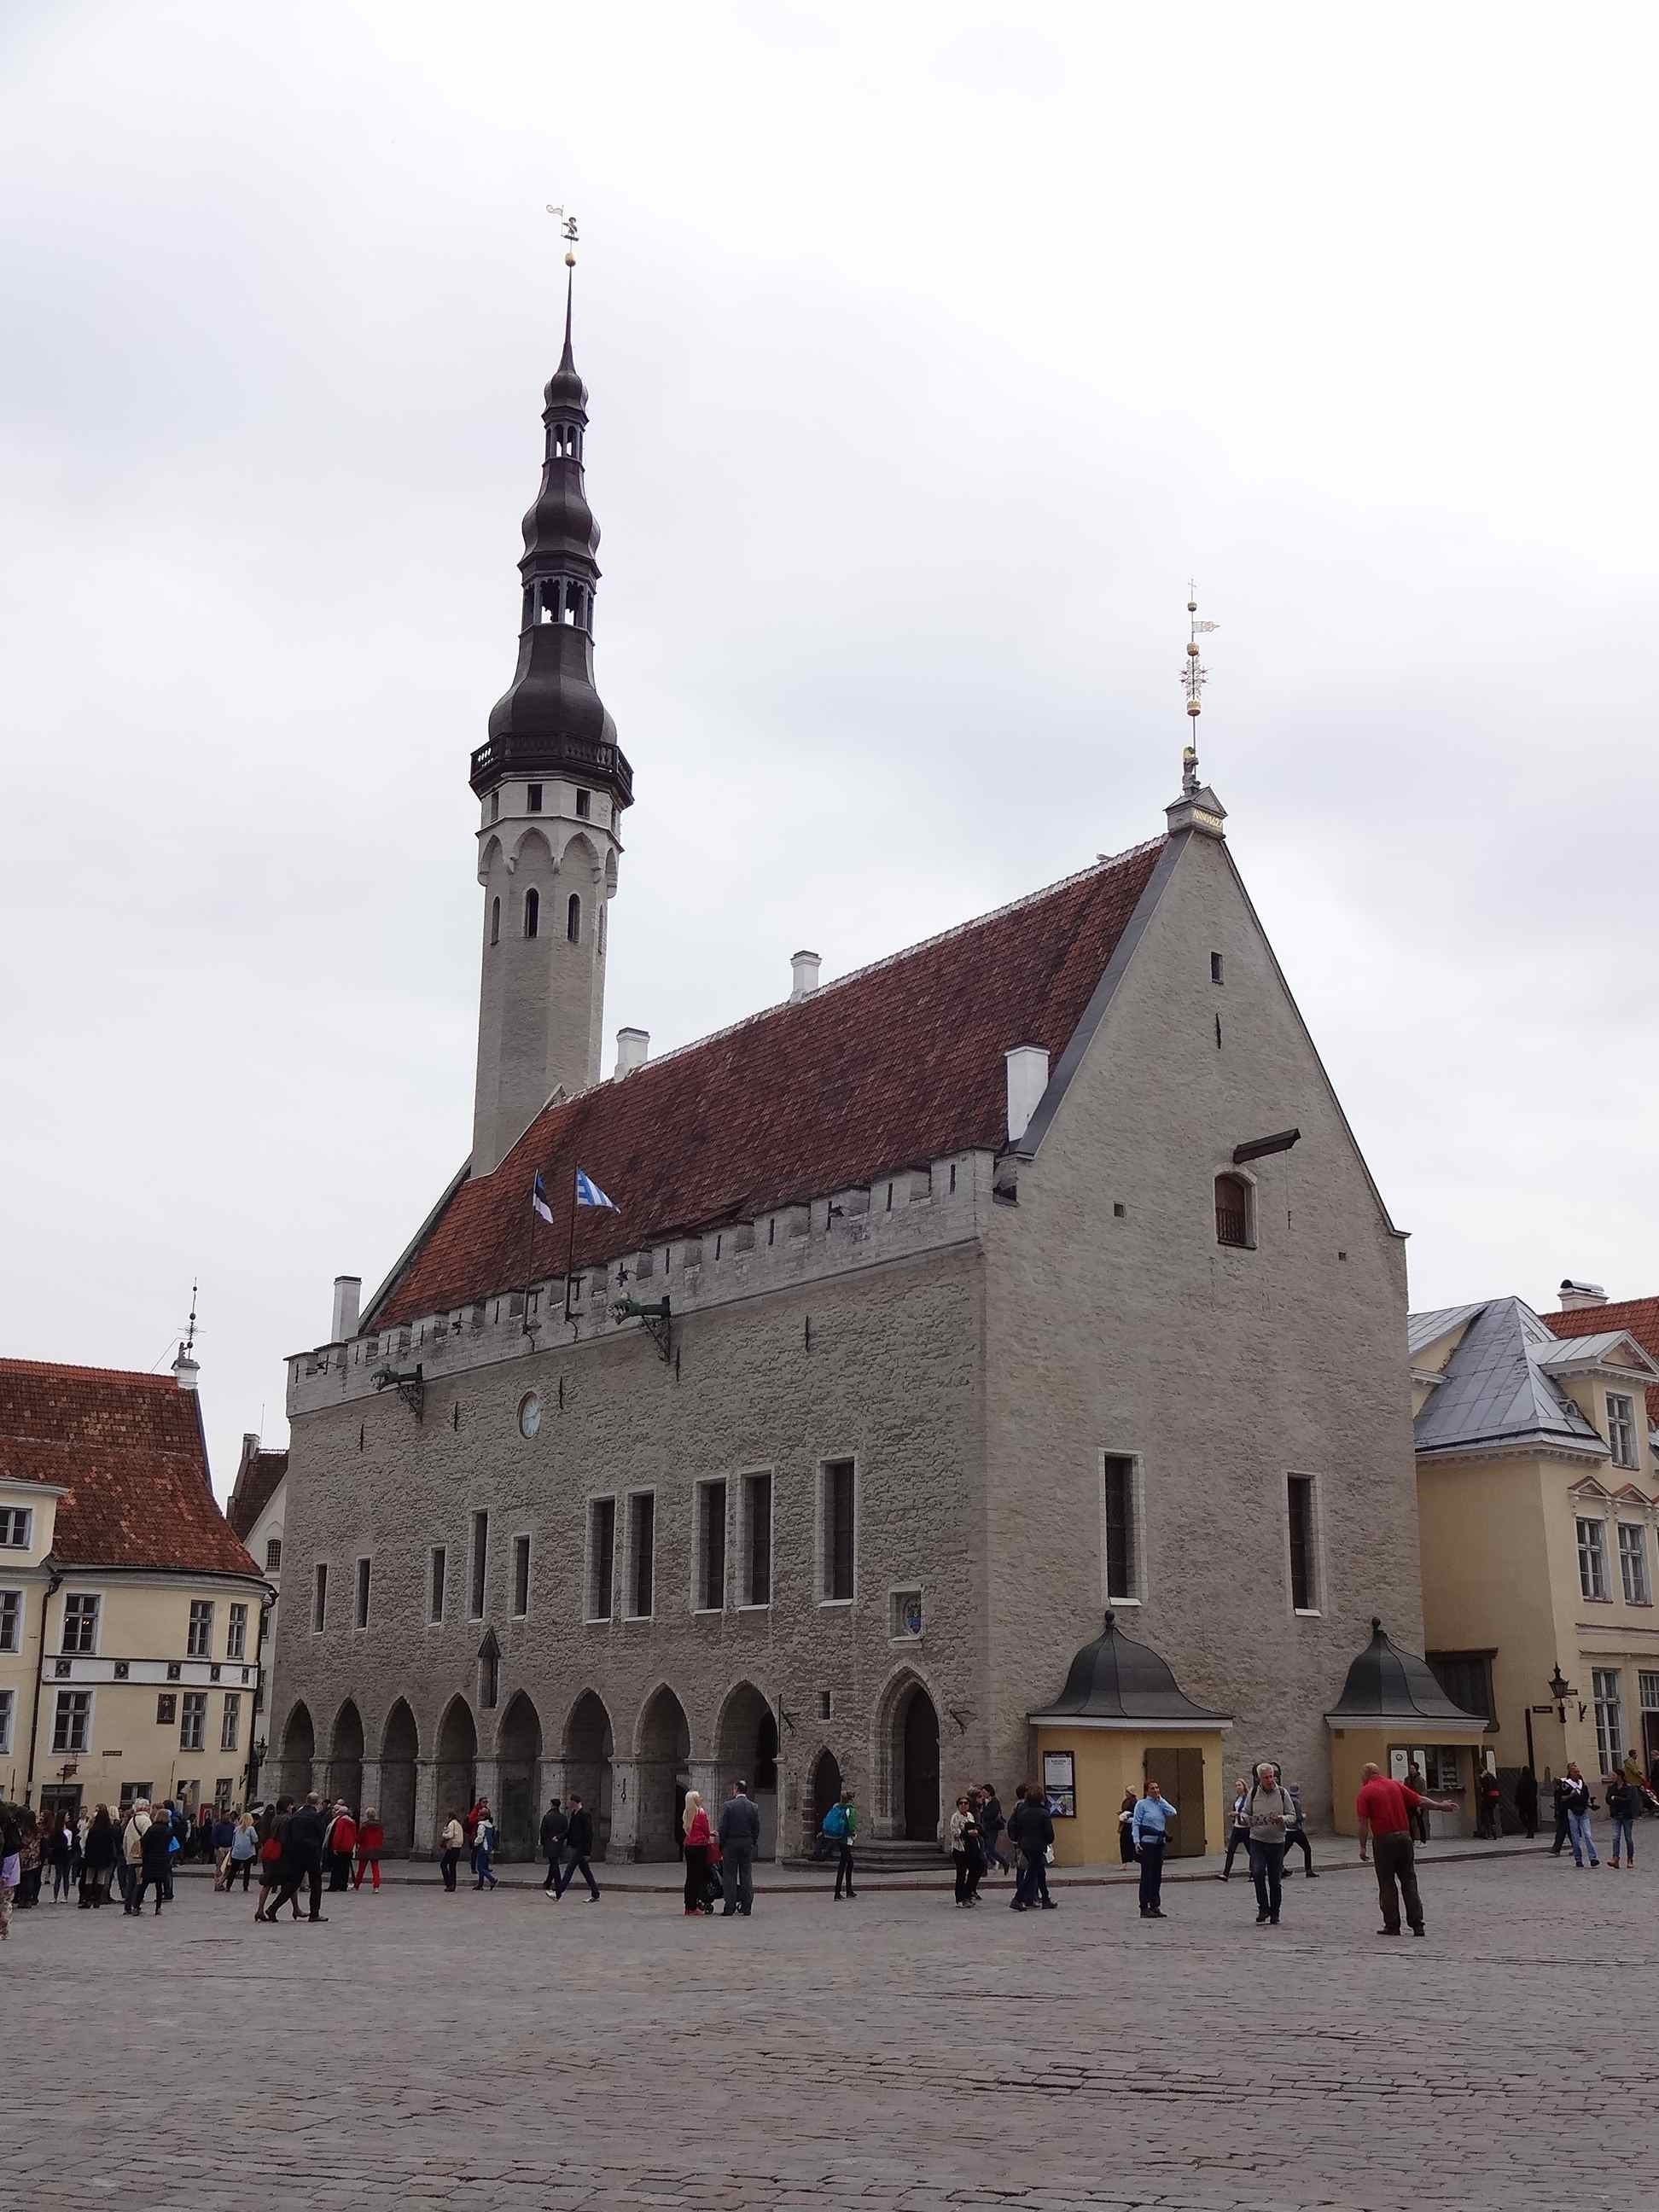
(1033, 1269)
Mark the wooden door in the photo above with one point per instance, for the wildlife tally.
(1180, 1775)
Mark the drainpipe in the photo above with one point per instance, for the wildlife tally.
(54, 1584)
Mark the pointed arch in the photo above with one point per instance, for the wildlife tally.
(824, 1783)
(400, 1748)
(662, 1768)
(906, 1757)
(345, 1755)
(587, 1744)
(489, 858)
(458, 1756)
(298, 1749)
(582, 855)
(519, 1754)
(532, 849)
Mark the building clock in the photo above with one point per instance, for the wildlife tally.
(530, 1414)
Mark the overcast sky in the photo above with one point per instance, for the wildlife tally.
(931, 349)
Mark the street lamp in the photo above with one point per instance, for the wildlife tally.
(1560, 1690)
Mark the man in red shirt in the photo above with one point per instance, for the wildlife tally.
(1383, 1809)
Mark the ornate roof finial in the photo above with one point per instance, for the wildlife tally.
(1193, 676)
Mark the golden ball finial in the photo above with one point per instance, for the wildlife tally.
(569, 260)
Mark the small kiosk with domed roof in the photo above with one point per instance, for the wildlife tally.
(1392, 1710)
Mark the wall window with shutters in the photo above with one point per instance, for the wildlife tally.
(71, 1722)
(1304, 1543)
(756, 1540)
(711, 1548)
(1621, 1429)
(1121, 1526)
(193, 1720)
(199, 1643)
(1633, 1563)
(601, 1557)
(80, 1622)
(837, 1531)
(641, 1555)
(1592, 1558)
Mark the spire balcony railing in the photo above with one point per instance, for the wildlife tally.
(587, 755)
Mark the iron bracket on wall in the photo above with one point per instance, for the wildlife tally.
(411, 1387)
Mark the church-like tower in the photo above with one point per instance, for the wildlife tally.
(552, 782)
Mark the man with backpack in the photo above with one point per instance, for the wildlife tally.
(555, 1825)
(841, 1825)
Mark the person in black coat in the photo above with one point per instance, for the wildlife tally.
(154, 1858)
(98, 1860)
(555, 1825)
(577, 1842)
(302, 1856)
(1526, 1800)
(1032, 1831)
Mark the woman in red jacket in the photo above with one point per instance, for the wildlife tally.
(698, 1848)
(339, 1842)
(371, 1842)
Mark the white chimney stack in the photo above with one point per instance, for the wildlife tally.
(803, 967)
(1028, 1078)
(348, 1292)
(1574, 1295)
(633, 1049)
(185, 1369)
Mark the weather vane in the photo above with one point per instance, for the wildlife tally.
(1193, 676)
(568, 232)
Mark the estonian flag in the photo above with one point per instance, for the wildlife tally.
(539, 1197)
(589, 1194)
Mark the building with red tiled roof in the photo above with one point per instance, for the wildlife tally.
(1587, 1310)
(906, 1326)
(129, 1609)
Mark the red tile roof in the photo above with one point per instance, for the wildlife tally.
(256, 1483)
(892, 1066)
(128, 1451)
(1639, 1315)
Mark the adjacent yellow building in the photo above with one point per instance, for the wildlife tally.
(129, 1612)
(1536, 1479)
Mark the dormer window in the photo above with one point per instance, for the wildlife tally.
(1621, 1429)
(1233, 1223)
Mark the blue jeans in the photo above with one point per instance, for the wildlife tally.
(481, 1864)
(1623, 1826)
(1578, 1834)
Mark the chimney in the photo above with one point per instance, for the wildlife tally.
(348, 1292)
(803, 967)
(633, 1049)
(185, 1369)
(1574, 1295)
(1028, 1078)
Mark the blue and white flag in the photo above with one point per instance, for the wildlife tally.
(589, 1194)
(539, 1197)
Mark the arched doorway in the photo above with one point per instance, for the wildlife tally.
(299, 1750)
(345, 1757)
(746, 1747)
(825, 1787)
(912, 1806)
(457, 1753)
(400, 1746)
(519, 1746)
(588, 1748)
(662, 1767)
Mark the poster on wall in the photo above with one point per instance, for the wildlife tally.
(1060, 1784)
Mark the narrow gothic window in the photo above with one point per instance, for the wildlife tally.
(494, 921)
(573, 919)
(533, 798)
(532, 912)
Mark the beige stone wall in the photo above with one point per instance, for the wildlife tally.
(1222, 1371)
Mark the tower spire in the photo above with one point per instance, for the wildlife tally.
(1193, 676)
(552, 783)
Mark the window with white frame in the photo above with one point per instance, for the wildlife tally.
(236, 1633)
(1648, 1684)
(1119, 1504)
(7, 1702)
(230, 1726)
(1609, 1716)
(71, 1722)
(11, 1620)
(837, 1531)
(199, 1644)
(1592, 1558)
(1621, 1429)
(273, 1554)
(80, 1622)
(1633, 1563)
(16, 1523)
(193, 1720)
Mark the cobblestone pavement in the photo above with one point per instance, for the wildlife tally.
(505, 2054)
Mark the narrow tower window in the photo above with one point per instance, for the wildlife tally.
(1232, 1211)
(584, 805)
(533, 798)
(573, 919)
(532, 912)
(494, 921)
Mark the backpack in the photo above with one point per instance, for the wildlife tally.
(835, 1822)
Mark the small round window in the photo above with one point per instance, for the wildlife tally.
(529, 1414)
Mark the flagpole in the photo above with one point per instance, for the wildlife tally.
(570, 1256)
(529, 1261)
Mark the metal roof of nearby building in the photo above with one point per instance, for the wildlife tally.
(1116, 1679)
(1496, 1388)
(1423, 1329)
(1387, 1683)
